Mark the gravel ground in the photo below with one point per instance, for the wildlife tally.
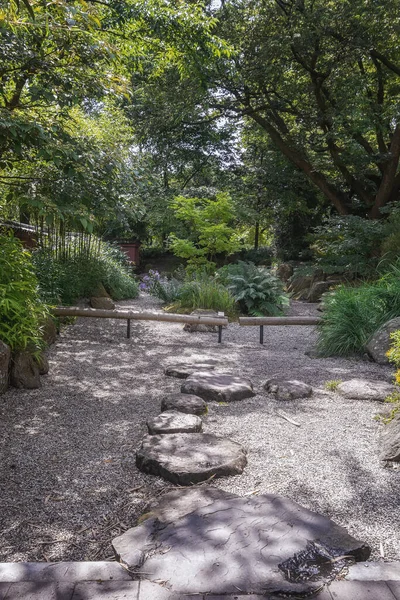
(67, 466)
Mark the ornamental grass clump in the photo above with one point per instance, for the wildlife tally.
(352, 314)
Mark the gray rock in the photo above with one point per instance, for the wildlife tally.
(184, 370)
(317, 289)
(180, 502)
(361, 389)
(200, 327)
(231, 544)
(218, 387)
(188, 458)
(49, 331)
(43, 364)
(390, 440)
(185, 403)
(299, 283)
(173, 421)
(288, 389)
(380, 341)
(24, 371)
(284, 271)
(5, 356)
(102, 303)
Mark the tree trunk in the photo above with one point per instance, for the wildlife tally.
(257, 235)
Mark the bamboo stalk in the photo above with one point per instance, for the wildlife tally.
(74, 311)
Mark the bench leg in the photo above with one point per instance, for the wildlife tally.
(219, 334)
(261, 334)
(128, 328)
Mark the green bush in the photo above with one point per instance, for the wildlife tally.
(22, 312)
(77, 275)
(255, 289)
(260, 256)
(353, 314)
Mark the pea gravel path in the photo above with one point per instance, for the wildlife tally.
(67, 467)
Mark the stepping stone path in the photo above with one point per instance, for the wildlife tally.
(221, 544)
(188, 458)
(184, 403)
(172, 421)
(288, 390)
(218, 387)
(184, 370)
(361, 389)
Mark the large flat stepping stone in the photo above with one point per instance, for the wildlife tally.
(185, 403)
(265, 544)
(173, 421)
(184, 370)
(288, 389)
(187, 458)
(218, 387)
(361, 389)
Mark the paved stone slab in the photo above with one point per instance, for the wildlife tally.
(187, 458)
(186, 403)
(4, 587)
(360, 590)
(34, 590)
(173, 421)
(122, 590)
(181, 371)
(361, 389)
(374, 571)
(236, 544)
(394, 587)
(288, 389)
(62, 571)
(218, 387)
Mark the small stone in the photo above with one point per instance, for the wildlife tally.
(184, 370)
(201, 327)
(24, 371)
(173, 421)
(361, 389)
(188, 458)
(288, 389)
(185, 403)
(218, 387)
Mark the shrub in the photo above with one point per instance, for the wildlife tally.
(78, 274)
(353, 314)
(166, 290)
(22, 312)
(332, 385)
(260, 256)
(255, 289)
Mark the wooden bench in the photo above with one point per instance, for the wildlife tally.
(261, 321)
(129, 315)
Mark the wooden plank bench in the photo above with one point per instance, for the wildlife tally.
(128, 315)
(262, 321)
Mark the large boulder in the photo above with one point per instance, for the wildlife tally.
(188, 458)
(361, 389)
(218, 387)
(298, 284)
(5, 356)
(43, 363)
(201, 327)
(317, 289)
(288, 389)
(267, 545)
(183, 370)
(284, 271)
(102, 303)
(390, 440)
(379, 343)
(25, 372)
(185, 403)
